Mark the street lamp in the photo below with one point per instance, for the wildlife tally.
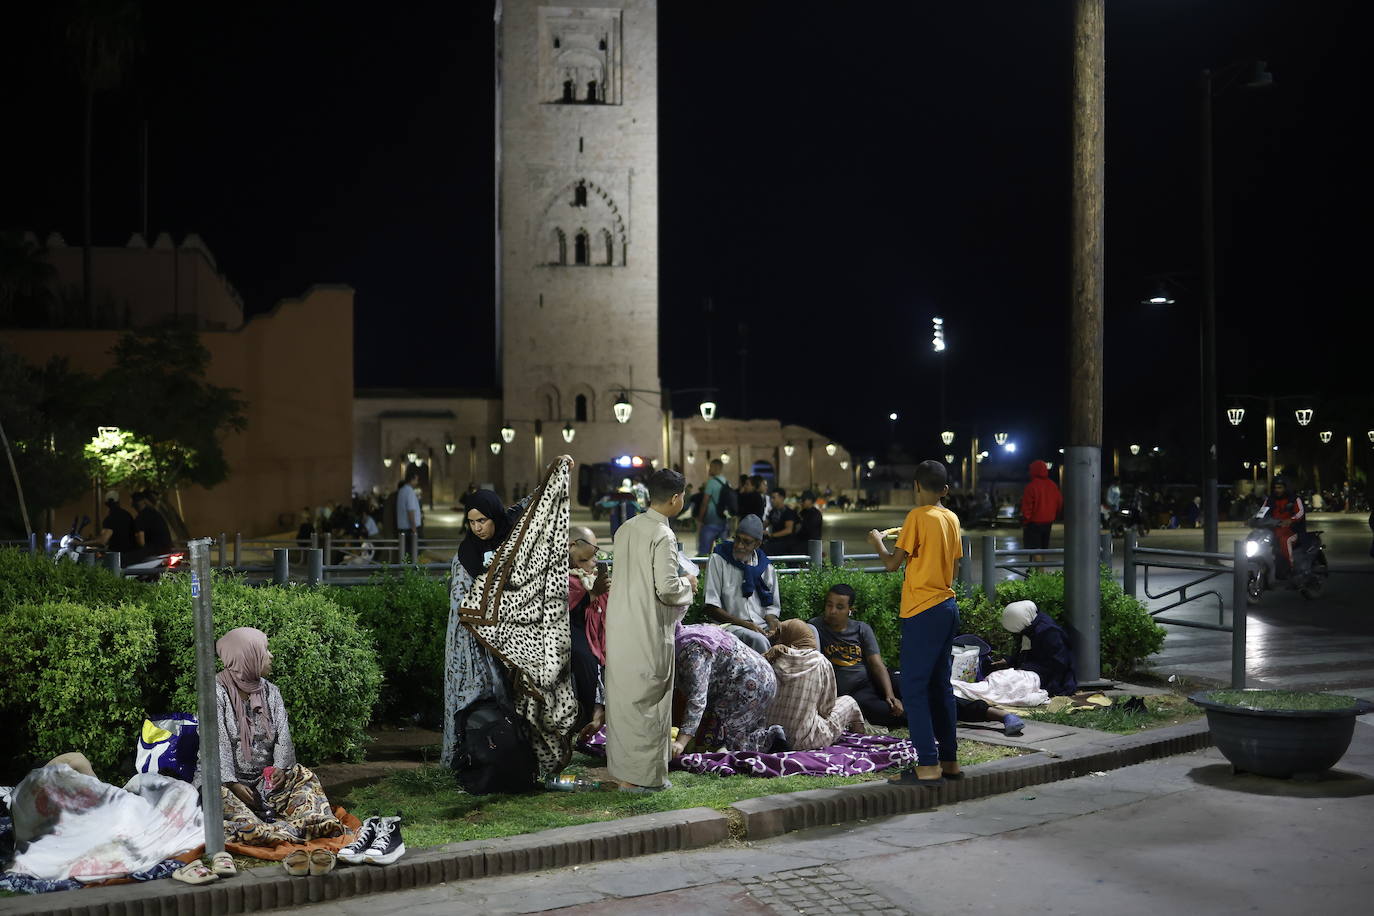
(1235, 415)
(999, 438)
(412, 457)
(1135, 449)
(568, 433)
(844, 465)
(622, 408)
(937, 334)
(508, 434)
(495, 448)
(949, 459)
(1010, 447)
(788, 449)
(892, 416)
(1325, 436)
(947, 437)
(1303, 415)
(830, 448)
(1370, 434)
(449, 445)
(872, 464)
(386, 462)
(708, 410)
(691, 457)
(724, 457)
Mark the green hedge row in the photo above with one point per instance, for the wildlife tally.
(86, 656)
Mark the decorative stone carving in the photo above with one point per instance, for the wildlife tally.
(579, 56)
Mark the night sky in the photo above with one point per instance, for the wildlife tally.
(832, 175)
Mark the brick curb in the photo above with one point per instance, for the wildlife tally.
(774, 815)
(268, 888)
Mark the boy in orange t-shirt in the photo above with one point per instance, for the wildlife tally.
(930, 548)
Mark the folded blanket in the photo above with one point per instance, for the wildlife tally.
(1011, 687)
(850, 755)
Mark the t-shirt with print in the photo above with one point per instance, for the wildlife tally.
(930, 536)
(847, 650)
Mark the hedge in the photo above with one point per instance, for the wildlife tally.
(82, 673)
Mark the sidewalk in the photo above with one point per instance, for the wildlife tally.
(1176, 835)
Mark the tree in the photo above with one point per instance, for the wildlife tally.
(46, 412)
(170, 421)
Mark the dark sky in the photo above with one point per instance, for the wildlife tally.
(831, 175)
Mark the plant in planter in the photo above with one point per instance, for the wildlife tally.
(1281, 733)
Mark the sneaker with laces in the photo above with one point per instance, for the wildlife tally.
(387, 845)
(354, 852)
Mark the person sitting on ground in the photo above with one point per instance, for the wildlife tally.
(269, 798)
(851, 647)
(589, 584)
(716, 671)
(742, 586)
(806, 705)
(1044, 647)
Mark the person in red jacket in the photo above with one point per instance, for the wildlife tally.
(1040, 505)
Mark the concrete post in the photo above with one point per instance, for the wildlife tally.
(281, 566)
(328, 546)
(1104, 550)
(112, 562)
(990, 566)
(207, 714)
(33, 542)
(88, 559)
(816, 551)
(238, 549)
(1240, 575)
(965, 560)
(1128, 561)
(222, 539)
(837, 552)
(314, 566)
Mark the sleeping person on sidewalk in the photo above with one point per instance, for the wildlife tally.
(742, 586)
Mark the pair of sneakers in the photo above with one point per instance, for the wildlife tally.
(379, 842)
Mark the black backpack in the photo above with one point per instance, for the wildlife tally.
(727, 501)
(494, 752)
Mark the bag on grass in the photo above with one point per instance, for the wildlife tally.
(169, 744)
(964, 663)
(494, 752)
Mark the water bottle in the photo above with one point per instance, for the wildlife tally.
(567, 782)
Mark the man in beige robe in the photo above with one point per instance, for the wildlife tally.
(650, 596)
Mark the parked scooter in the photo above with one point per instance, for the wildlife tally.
(73, 545)
(1308, 570)
(146, 569)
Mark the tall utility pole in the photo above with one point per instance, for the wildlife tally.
(1209, 330)
(1083, 456)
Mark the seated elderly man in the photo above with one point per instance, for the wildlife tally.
(742, 586)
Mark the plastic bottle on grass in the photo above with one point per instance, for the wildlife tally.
(567, 782)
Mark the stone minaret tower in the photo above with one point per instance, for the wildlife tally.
(577, 229)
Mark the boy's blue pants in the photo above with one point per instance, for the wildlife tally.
(927, 639)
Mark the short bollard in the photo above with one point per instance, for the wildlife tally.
(966, 560)
(314, 568)
(112, 562)
(1104, 549)
(238, 549)
(222, 538)
(816, 551)
(1128, 563)
(990, 566)
(837, 553)
(1240, 598)
(281, 566)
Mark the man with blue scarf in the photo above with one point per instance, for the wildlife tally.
(742, 586)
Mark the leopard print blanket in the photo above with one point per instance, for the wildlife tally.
(518, 609)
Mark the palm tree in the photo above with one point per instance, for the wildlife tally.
(106, 35)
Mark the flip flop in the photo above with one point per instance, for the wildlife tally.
(194, 873)
(297, 863)
(222, 864)
(321, 862)
(647, 790)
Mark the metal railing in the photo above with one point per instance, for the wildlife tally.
(1208, 566)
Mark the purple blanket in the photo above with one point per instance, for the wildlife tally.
(852, 755)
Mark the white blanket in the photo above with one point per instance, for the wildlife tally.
(69, 825)
(1004, 688)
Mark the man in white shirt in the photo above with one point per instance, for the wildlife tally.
(742, 586)
(409, 517)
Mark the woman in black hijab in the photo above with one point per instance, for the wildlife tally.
(470, 672)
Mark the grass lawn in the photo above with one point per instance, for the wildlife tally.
(1159, 711)
(437, 811)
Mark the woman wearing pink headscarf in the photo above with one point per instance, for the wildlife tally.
(268, 797)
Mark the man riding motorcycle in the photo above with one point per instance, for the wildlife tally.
(1287, 509)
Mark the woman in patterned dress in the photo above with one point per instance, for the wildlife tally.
(268, 797)
(717, 671)
(806, 705)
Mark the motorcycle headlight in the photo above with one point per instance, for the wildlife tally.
(1251, 548)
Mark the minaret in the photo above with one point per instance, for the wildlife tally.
(577, 229)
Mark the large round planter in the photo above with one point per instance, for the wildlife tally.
(1280, 742)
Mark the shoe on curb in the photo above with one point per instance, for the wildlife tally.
(354, 852)
(387, 845)
(909, 778)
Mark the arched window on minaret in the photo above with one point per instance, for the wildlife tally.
(607, 247)
(568, 90)
(591, 92)
(582, 248)
(580, 194)
(558, 247)
(550, 409)
(580, 408)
